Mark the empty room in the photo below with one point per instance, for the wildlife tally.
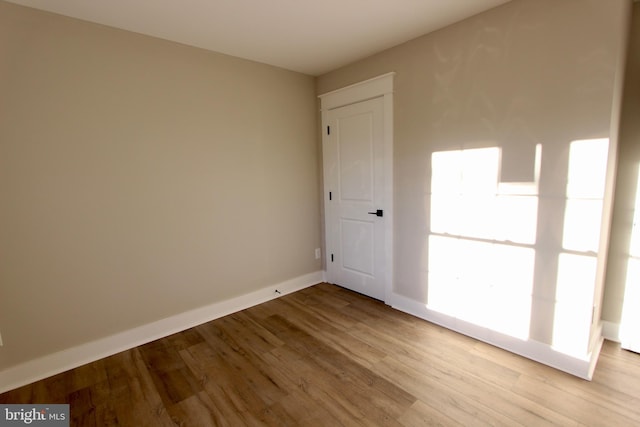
(319, 213)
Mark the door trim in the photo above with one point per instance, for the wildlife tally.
(380, 86)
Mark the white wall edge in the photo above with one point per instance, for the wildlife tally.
(595, 354)
(582, 367)
(611, 331)
(55, 363)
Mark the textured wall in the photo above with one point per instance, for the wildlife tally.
(140, 179)
(528, 72)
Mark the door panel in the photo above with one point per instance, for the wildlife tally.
(355, 142)
(357, 243)
(353, 155)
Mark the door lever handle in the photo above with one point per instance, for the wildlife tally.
(378, 212)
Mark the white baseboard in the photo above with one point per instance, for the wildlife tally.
(46, 366)
(611, 331)
(582, 367)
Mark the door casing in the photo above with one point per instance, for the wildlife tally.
(381, 86)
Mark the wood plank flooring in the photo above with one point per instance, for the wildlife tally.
(326, 356)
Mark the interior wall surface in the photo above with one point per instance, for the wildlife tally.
(525, 74)
(140, 179)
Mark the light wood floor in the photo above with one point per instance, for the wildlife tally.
(325, 356)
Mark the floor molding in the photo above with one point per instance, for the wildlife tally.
(611, 331)
(70, 358)
(540, 352)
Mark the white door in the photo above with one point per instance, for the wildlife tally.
(353, 147)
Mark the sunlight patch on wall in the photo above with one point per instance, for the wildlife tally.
(481, 259)
(582, 225)
(577, 264)
(585, 193)
(487, 284)
(573, 309)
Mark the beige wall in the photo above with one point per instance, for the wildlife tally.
(528, 72)
(627, 178)
(141, 178)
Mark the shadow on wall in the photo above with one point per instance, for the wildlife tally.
(485, 241)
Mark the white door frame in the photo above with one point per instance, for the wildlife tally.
(381, 86)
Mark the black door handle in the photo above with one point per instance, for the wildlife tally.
(376, 213)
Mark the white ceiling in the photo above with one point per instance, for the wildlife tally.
(311, 37)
